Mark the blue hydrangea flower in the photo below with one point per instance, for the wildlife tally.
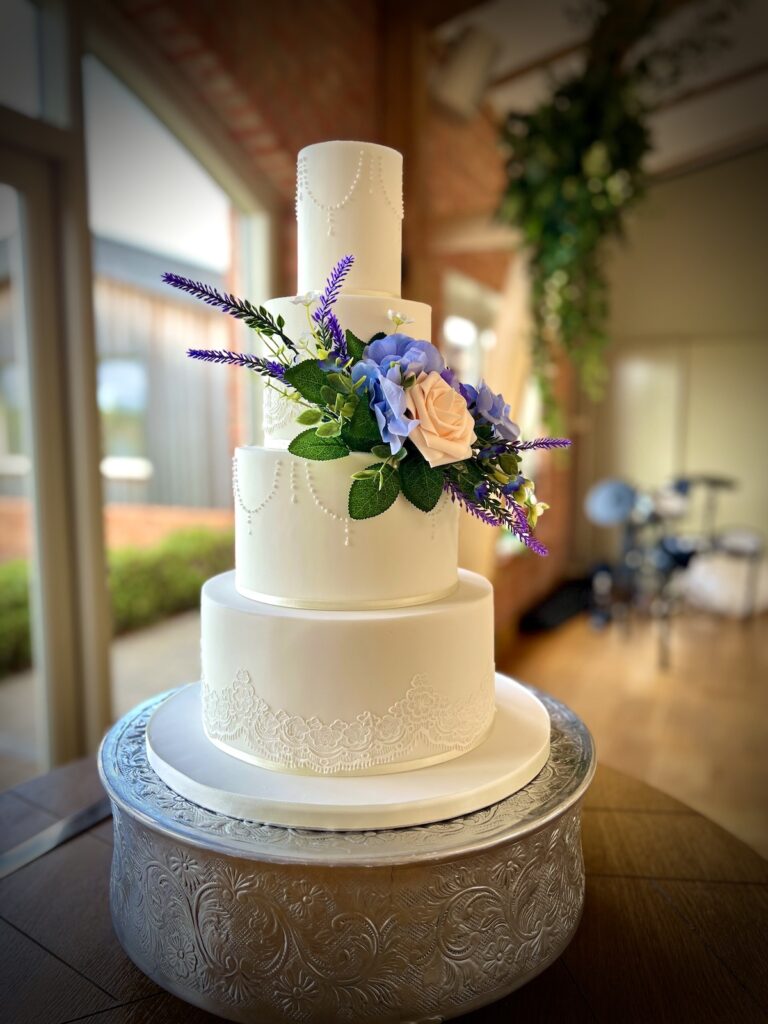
(398, 356)
(451, 377)
(387, 401)
(485, 404)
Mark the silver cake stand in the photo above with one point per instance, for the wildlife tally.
(259, 923)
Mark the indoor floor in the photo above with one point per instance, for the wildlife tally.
(697, 730)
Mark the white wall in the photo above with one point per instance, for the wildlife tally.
(689, 332)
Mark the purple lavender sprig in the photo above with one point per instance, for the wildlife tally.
(513, 518)
(323, 314)
(339, 343)
(543, 442)
(259, 319)
(457, 495)
(266, 367)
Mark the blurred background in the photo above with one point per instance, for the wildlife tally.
(586, 211)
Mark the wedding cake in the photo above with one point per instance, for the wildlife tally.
(348, 674)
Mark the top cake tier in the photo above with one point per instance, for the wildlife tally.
(349, 199)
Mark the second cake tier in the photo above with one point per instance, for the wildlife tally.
(336, 693)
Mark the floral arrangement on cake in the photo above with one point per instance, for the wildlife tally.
(392, 396)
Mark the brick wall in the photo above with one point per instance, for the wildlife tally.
(284, 75)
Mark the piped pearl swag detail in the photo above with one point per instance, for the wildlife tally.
(330, 209)
(434, 513)
(251, 512)
(324, 508)
(294, 485)
(375, 174)
(396, 208)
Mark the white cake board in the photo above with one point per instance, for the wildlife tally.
(513, 753)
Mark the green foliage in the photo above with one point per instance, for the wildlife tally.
(355, 346)
(15, 651)
(374, 494)
(576, 167)
(421, 484)
(146, 585)
(308, 379)
(361, 433)
(309, 417)
(310, 445)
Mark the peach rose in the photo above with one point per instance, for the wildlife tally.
(446, 429)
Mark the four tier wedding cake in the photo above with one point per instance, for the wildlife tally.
(347, 663)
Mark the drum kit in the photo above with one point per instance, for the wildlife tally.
(660, 531)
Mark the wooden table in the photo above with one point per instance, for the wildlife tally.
(675, 926)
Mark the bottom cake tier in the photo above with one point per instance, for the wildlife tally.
(345, 693)
(514, 752)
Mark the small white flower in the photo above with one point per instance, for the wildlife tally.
(398, 319)
(306, 299)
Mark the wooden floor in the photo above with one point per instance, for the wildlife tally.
(698, 731)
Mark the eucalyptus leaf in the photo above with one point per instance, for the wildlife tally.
(309, 417)
(330, 429)
(308, 445)
(381, 451)
(422, 485)
(374, 495)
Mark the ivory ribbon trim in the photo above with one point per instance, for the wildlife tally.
(381, 769)
(346, 606)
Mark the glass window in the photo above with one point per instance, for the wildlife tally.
(168, 424)
(20, 65)
(18, 683)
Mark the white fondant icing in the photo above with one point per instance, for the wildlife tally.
(295, 544)
(349, 199)
(420, 678)
(514, 752)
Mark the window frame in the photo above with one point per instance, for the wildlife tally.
(45, 161)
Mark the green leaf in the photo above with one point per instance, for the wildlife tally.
(381, 451)
(281, 322)
(330, 429)
(355, 346)
(379, 334)
(422, 485)
(365, 474)
(362, 431)
(340, 383)
(374, 495)
(327, 395)
(309, 417)
(509, 463)
(308, 445)
(308, 379)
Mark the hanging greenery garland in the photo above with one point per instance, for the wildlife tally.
(576, 167)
